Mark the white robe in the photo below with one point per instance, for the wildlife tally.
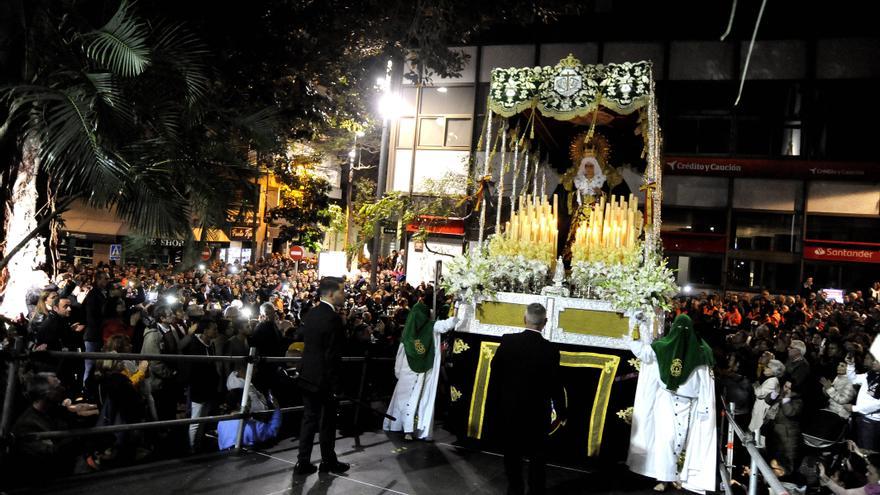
(654, 445)
(415, 393)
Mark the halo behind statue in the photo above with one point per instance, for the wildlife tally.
(584, 145)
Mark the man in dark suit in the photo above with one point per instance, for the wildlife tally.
(526, 377)
(324, 337)
(94, 304)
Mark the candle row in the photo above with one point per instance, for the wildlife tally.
(532, 230)
(612, 227)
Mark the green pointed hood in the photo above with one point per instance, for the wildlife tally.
(680, 352)
(418, 338)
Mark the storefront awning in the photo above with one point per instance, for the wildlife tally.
(437, 225)
(213, 235)
(87, 220)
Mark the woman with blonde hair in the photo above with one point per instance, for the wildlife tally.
(41, 310)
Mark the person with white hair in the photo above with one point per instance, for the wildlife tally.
(766, 393)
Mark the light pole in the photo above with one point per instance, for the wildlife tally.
(351, 158)
(390, 107)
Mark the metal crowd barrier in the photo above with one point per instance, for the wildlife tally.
(251, 359)
(756, 460)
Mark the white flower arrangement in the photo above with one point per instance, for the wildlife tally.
(642, 284)
(480, 275)
(470, 276)
(519, 274)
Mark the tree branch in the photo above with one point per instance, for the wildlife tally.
(61, 207)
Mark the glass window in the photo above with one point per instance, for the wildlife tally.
(458, 132)
(754, 136)
(402, 170)
(847, 229)
(764, 231)
(432, 131)
(776, 59)
(406, 129)
(691, 220)
(686, 190)
(714, 135)
(505, 56)
(408, 95)
(844, 198)
(700, 270)
(442, 100)
(447, 166)
(752, 194)
(847, 58)
(701, 60)
(755, 274)
(705, 271)
(679, 135)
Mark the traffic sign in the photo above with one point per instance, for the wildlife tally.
(296, 253)
(115, 252)
(206, 253)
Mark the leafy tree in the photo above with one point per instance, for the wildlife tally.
(105, 107)
(304, 205)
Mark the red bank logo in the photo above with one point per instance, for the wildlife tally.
(844, 254)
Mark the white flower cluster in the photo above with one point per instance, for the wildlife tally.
(519, 274)
(469, 275)
(643, 284)
(478, 275)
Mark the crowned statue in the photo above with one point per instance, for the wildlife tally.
(590, 177)
(590, 171)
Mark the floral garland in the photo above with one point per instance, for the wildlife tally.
(643, 283)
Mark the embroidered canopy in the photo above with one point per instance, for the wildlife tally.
(570, 89)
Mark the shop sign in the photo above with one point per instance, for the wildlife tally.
(241, 233)
(175, 243)
(780, 169)
(851, 254)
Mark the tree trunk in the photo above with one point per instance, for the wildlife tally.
(21, 219)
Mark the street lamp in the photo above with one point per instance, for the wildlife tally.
(391, 106)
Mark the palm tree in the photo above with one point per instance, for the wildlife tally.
(114, 116)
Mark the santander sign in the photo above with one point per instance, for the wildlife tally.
(841, 254)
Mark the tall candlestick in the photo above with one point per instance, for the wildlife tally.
(501, 172)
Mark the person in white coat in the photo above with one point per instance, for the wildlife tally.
(418, 371)
(766, 399)
(675, 388)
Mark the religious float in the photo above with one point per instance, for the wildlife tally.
(570, 157)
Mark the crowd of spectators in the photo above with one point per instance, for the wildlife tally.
(796, 368)
(212, 309)
(800, 376)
